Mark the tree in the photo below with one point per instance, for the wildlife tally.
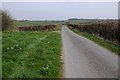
(7, 21)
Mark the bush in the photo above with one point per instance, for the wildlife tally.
(7, 22)
(108, 30)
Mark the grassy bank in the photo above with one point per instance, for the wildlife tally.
(31, 54)
(108, 45)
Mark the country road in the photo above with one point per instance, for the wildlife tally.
(85, 59)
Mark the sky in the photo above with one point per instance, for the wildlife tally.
(60, 0)
(61, 10)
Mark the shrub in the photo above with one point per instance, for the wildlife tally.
(108, 30)
(7, 21)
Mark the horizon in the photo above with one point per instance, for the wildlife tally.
(63, 20)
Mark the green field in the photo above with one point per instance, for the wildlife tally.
(82, 21)
(33, 23)
(31, 54)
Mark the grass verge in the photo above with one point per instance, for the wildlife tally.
(108, 45)
(31, 54)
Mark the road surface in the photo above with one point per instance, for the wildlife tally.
(85, 59)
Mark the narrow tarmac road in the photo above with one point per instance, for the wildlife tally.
(85, 59)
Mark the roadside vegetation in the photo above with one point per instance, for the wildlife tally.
(104, 32)
(107, 30)
(31, 54)
(115, 48)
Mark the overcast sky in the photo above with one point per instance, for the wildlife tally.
(60, 0)
(61, 10)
